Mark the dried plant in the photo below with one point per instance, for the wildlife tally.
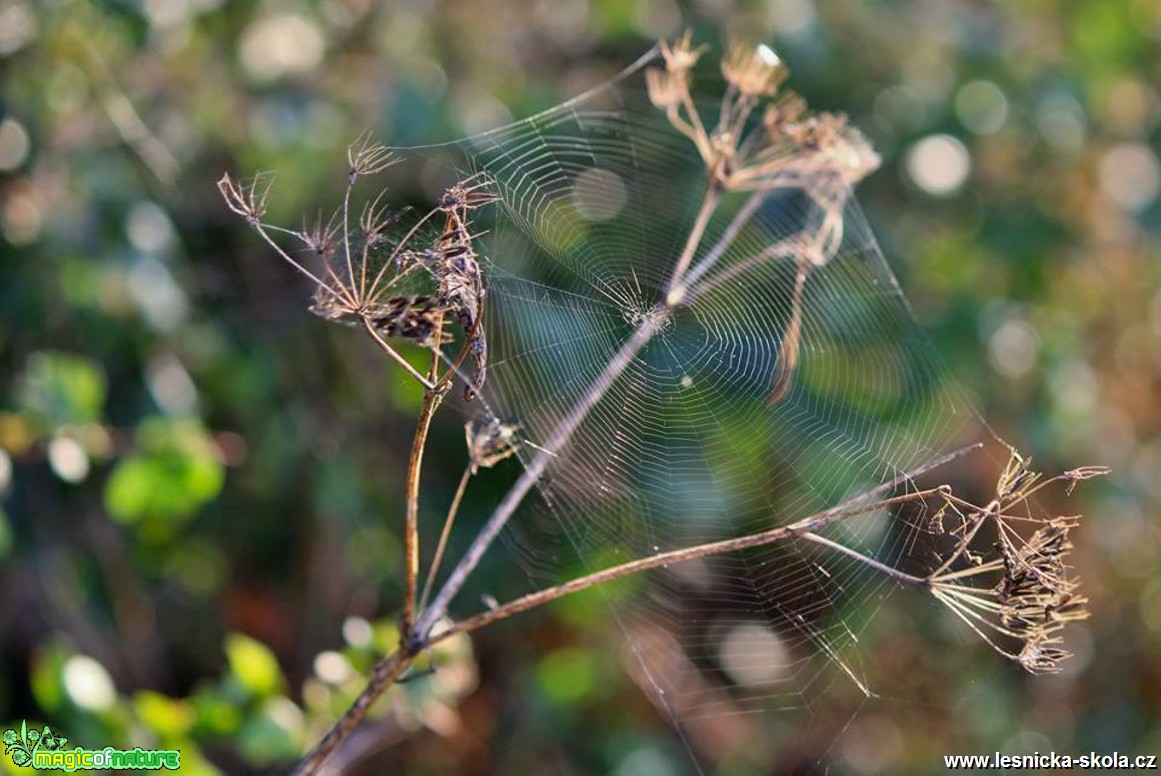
(1032, 595)
(1017, 595)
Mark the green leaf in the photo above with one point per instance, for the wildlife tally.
(60, 389)
(175, 472)
(166, 716)
(253, 665)
(567, 675)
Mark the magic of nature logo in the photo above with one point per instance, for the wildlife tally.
(45, 750)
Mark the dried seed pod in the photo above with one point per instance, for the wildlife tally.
(491, 443)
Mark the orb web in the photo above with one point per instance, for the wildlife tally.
(688, 446)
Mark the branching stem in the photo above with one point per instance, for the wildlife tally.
(396, 663)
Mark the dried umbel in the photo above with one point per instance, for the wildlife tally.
(1032, 596)
(461, 283)
(368, 274)
(764, 140)
(785, 148)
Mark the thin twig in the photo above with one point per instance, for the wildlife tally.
(383, 675)
(866, 559)
(848, 508)
(801, 529)
(429, 385)
(432, 398)
(676, 288)
(437, 559)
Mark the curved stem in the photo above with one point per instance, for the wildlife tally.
(383, 675)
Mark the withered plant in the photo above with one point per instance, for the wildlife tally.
(1017, 593)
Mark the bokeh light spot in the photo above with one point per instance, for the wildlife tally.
(938, 164)
(281, 45)
(1130, 175)
(332, 667)
(752, 654)
(1013, 348)
(14, 144)
(68, 459)
(5, 471)
(357, 632)
(149, 228)
(598, 194)
(17, 27)
(791, 17)
(88, 683)
(22, 219)
(981, 107)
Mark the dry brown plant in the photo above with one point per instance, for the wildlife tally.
(1018, 594)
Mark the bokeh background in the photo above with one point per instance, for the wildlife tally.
(199, 480)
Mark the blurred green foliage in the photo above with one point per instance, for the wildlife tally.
(201, 482)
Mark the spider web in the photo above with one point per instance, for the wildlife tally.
(686, 447)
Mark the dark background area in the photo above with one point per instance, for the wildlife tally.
(202, 483)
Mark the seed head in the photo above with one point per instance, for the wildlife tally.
(681, 56)
(666, 88)
(755, 71)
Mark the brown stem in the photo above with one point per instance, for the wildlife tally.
(390, 668)
(432, 398)
(443, 537)
(865, 559)
(677, 288)
(383, 675)
(394, 354)
(788, 357)
(801, 529)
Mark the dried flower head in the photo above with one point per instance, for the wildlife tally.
(1033, 597)
(367, 158)
(461, 282)
(666, 88)
(414, 318)
(247, 200)
(367, 275)
(680, 56)
(755, 71)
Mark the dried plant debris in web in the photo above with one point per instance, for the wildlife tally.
(398, 279)
(490, 443)
(1034, 595)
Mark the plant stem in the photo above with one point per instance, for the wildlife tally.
(383, 675)
(531, 475)
(801, 529)
(391, 667)
(398, 359)
(676, 289)
(866, 559)
(432, 398)
(452, 511)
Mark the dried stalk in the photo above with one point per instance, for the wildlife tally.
(444, 535)
(385, 673)
(396, 663)
(820, 155)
